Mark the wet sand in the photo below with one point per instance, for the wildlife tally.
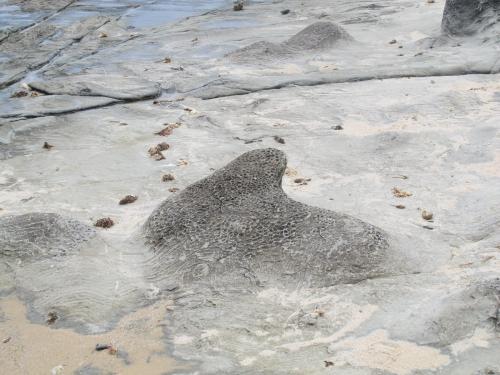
(39, 349)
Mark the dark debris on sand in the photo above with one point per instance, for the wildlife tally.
(105, 223)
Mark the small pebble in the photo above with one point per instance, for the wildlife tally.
(51, 317)
(158, 156)
(427, 215)
(394, 41)
(128, 199)
(168, 129)
(238, 6)
(106, 223)
(168, 177)
(112, 350)
(338, 127)
(6, 340)
(173, 190)
(155, 151)
(47, 146)
(101, 347)
(279, 139)
(19, 94)
(163, 146)
(399, 193)
(285, 11)
(302, 181)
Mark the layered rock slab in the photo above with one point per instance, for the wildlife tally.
(41, 235)
(50, 105)
(317, 36)
(111, 86)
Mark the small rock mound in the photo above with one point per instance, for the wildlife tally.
(467, 17)
(319, 35)
(41, 234)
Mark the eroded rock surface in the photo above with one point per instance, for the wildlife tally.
(40, 235)
(50, 105)
(116, 87)
(400, 105)
(240, 222)
(36, 46)
(467, 17)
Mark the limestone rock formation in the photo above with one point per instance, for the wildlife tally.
(465, 17)
(111, 86)
(318, 36)
(41, 235)
(238, 224)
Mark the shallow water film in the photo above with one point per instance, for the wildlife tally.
(250, 187)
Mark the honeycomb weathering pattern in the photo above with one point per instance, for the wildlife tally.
(318, 36)
(239, 225)
(41, 234)
(465, 17)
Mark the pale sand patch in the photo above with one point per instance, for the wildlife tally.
(248, 361)
(478, 340)
(37, 349)
(360, 314)
(491, 168)
(378, 351)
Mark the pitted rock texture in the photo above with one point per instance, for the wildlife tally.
(41, 235)
(238, 224)
(466, 17)
(318, 36)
